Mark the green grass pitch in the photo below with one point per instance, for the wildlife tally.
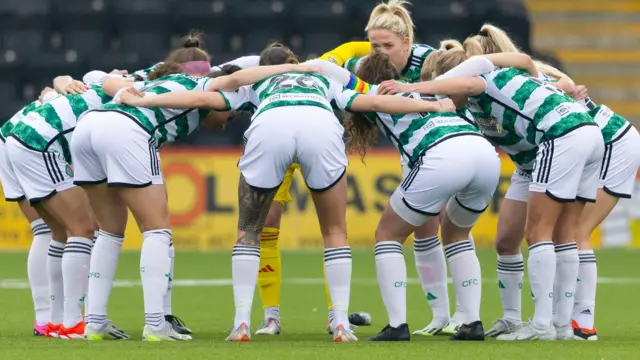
(202, 297)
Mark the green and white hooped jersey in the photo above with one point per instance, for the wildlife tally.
(611, 124)
(528, 108)
(291, 89)
(411, 72)
(165, 125)
(414, 133)
(521, 152)
(6, 128)
(55, 120)
(144, 73)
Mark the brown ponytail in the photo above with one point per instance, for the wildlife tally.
(277, 54)
(190, 51)
(361, 131)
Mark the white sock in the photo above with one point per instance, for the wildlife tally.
(56, 288)
(272, 312)
(459, 316)
(584, 309)
(96, 233)
(37, 271)
(245, 263)
(167, 296)
(432, 271)
(541, 266)
(392, 280)
(331, 315)
(154, 271)
(566, 280)
(102, 271)
(75, 274)
(510, 275)
(337, 265)
(467, 278)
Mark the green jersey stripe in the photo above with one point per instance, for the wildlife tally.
(441, 133)
(78, 105)
(275, 104)
(524, 157)
(29, 136)
(524, 92)
(420, 122)
(569, 123)
(137, 114)
(503, 78)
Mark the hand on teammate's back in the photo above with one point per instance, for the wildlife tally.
(44, 92)
(446, 105)
(129, 97)
(76, 87)
(309, 68)
(580, 93)
(391, 87)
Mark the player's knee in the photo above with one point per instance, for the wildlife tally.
(507, 245)
(83, 229)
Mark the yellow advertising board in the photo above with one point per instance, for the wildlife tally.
(202, 186)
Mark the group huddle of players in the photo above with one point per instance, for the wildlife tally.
(86, 152)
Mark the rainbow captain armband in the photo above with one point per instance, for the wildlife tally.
(357, 84)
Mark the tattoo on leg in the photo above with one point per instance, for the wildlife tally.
(253, 207)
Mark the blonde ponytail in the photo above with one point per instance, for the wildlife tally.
(392, 16)
(495, 39)
(472, 47)
(429, 65)
(450, 44)
(549, 70)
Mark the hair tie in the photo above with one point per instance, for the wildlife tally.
(192, 43)
(196, 67)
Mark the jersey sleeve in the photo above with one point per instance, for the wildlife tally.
(202, 84)
(243, 62)
(342, 97)
(347, 51)
(475, 66)
(353, 64)
(144, 73)
(239, 99)
(341, 75)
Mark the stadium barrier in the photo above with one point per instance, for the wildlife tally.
(202, 186)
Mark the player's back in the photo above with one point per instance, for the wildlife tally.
(166, 124)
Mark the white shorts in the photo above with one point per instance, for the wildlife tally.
(39, 174)
(620, 164)
(307, 135)
(108, 146)
(519, 187)
(463, 171)
(567, 168)
(10, 185)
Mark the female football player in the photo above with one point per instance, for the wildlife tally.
(435, 147)
(617, 176)
(563, 180)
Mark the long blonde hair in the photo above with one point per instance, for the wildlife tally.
(451, 54)
(495, 40)
(392, 16)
